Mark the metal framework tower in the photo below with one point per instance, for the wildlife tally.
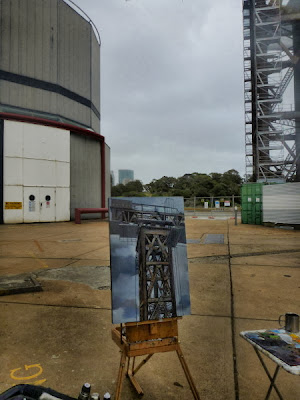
(157, 230)
(157, 291)
(271, 61)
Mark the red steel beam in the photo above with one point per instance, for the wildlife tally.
(79, 211)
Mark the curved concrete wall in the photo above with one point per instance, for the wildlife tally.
(49, 62)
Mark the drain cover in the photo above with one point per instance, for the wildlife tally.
(19, 284)
(211, 238)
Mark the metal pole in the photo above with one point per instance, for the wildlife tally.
(194, 205)
(233, 201)
(235, 215)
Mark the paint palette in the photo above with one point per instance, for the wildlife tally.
(277, 343)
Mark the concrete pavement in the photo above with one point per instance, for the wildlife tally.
(61, 337)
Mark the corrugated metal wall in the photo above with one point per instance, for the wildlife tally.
(95, 72)
(281, 203)
(74, 51)
(85, 174)
(50, 61)
(107, 174)
(29, 38)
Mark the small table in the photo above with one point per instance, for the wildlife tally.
(280, 346)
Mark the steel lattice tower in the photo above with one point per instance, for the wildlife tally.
(271, 63)
(157, 291)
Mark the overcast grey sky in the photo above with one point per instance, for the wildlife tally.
(171, 85)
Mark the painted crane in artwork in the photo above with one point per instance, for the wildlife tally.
(157, 229)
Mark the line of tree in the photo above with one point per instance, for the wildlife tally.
(189, 185)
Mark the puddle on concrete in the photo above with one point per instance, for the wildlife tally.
(193, 241)
(97, 277)
(209, 238)
(212, 238)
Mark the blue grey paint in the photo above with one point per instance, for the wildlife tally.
(125, 280)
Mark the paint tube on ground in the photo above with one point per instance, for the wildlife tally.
(106, 396)
(95, 396)
(85, 392)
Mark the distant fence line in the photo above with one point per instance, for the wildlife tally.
(213, 202)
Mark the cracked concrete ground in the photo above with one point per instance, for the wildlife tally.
(61, 337)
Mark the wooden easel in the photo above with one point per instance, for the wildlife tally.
(147, 338)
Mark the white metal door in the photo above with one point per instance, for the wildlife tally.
(47, 204)
(31, 204)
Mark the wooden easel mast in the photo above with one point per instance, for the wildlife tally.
(147, 338)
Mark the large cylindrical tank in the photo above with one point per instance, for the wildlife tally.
(50, 62)
(49, 112)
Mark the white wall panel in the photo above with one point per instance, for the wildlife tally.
(36, 161)
(62, 204)
(13, 143)
(37, 144)
(41, 142)
(13, 194)
(39, 173)
(13, 168)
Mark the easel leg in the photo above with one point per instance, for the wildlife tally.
(134, 382)
(272, 379)
(187, 373)
(121, 375)
(134, 371)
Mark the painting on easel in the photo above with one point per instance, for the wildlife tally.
(149, 269)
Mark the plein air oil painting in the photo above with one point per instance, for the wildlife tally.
(149, 269)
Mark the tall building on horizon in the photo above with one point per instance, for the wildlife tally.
(125, 176)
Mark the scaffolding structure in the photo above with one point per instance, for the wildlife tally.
(270, 61)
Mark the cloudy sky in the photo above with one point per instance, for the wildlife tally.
(171, 85)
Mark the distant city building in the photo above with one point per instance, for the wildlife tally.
(125, 176)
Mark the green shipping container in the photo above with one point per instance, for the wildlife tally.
(252, 203)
